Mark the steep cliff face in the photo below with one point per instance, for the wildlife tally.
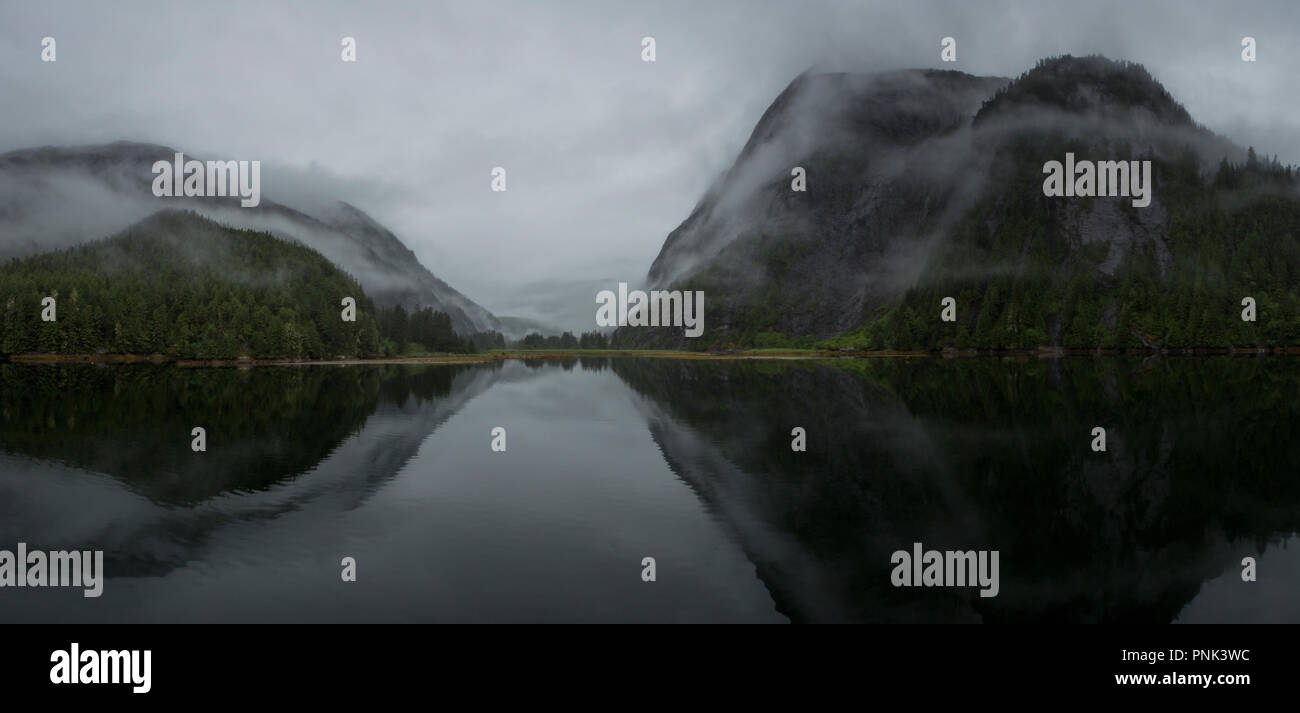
(812, 261)
(926, 184)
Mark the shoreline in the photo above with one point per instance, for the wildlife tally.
(763, 354)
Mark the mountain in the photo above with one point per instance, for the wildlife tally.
(550, 306)
(927, 184)
(52, 197)
(403, 279)
(179, 284)
(520, 327)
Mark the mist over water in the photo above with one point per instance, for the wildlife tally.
(611, 460)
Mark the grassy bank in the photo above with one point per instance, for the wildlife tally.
(502, 354)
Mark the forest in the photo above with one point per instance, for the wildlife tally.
(182, 286)
(1231, 236)
(588, 340)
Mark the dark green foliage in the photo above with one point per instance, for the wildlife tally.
(486, 341)
(179, 285)
(1056, 82)
(593, 340)
(426, 330)
(1022, 281)
(588, 340)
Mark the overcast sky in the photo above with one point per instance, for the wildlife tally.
(605, 153)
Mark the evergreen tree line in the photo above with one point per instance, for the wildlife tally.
(588, 340)
(1023, 277)
(179, 285)
(1233, 235)
(428, 330)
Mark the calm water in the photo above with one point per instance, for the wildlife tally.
(609, 461)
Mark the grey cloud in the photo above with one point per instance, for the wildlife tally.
(606, 154)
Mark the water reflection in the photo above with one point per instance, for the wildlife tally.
(992, 454)
(610, 460)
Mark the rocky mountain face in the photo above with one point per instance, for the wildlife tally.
(54, 197)
(922, 185)
(814, 260)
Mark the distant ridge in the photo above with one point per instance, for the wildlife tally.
(55, 196)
